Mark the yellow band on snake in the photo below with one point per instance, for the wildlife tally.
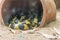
(26, 27)
(16, 27)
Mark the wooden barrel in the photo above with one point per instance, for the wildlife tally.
(49, 11)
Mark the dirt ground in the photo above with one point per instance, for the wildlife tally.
(6, 34)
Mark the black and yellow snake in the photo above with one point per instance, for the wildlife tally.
(23, 25)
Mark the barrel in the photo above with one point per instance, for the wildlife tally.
(48, 10)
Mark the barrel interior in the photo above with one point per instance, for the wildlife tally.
(12, 7)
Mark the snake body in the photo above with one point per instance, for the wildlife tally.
(23, 25)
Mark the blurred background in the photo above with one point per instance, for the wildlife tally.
(57, 3)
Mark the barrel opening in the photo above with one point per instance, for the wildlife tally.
(22, 10)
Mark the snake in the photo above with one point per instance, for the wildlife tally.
(23, 24)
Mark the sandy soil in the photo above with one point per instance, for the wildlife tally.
(6, 34)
